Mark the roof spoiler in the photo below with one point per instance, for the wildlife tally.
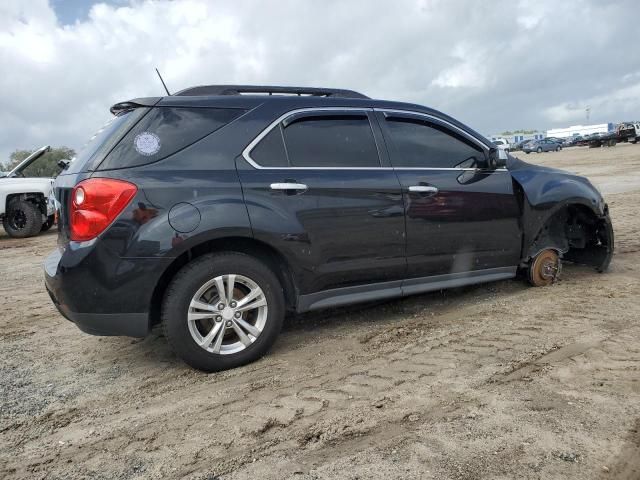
(118, 108)
(267, 90)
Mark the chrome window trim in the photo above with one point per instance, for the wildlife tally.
(247, 151)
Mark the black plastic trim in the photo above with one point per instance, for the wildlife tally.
(399, 288)
(106, 324)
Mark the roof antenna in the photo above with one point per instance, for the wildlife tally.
(163, 84)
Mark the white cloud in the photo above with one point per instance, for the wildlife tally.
(495, 66)
(623, 103)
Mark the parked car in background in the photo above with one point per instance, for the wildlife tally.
(574, 141)
(216, 210)
(502, 144)
(26, 203)
(542, 145)
(520, 145)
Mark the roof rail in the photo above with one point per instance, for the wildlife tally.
(268, 90)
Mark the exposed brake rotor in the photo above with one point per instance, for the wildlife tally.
(545, 268)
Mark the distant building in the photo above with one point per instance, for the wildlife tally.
(580, 130)
(517, 137)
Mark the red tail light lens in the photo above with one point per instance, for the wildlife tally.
(95, 203)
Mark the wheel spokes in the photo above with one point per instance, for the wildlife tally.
(222, 294)
(261, 302)
(215, 330)
(248, 327)
(246, 341)
(197, 304)
(195, 316)
(253, 294)
(231, 283)
(218, 342)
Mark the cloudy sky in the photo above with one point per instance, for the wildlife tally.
(496, 65)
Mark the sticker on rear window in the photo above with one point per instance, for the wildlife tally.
(147, 143)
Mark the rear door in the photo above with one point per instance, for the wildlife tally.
(316, 189)
(460, 215)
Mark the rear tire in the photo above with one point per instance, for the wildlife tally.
(539, 150)
(197, 284)
(22, 219)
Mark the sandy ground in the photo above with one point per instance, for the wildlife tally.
(493, 381)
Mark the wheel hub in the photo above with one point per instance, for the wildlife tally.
(545, 268)
(228, 313)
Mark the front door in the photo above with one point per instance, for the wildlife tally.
(316, 190)
(460, 215)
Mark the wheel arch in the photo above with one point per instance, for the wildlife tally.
(38, 198)
(247, 245)
(577, 231)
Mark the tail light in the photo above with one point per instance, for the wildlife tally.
(95, 203)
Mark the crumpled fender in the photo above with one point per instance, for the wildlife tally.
(545, 192)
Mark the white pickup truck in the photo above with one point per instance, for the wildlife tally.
(26, 204)
(502, 144)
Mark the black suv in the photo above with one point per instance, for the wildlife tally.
(216, 210)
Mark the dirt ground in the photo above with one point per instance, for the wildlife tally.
(493, 381)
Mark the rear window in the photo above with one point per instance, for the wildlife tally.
(99, 145)
(164, 131)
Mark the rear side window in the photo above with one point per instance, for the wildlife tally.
(331, 141)
(422, 144)
(164, 131)
(270, 152)
(94, 151)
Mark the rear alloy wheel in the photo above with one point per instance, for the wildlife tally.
(227, 314)
(222, 311)
(558, 149)
(544, 269)
(539, 150)
(22, 219)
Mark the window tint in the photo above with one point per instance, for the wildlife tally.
(331, 141)
(165, 130)
(422, 144)
(94, 151)
(270, 151)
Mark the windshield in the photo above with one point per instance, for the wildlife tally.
(101, 143)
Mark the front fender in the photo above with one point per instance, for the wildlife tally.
(546, 192)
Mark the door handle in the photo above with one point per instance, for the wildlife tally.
(423, 189)
(289, 186)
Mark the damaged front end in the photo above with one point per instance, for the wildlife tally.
(563, 212)
(591, 242)
(578, 235)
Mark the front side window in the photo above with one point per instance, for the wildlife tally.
(319, 141)
(419, 143)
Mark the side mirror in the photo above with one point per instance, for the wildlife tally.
(64, 163)
(497, 158)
